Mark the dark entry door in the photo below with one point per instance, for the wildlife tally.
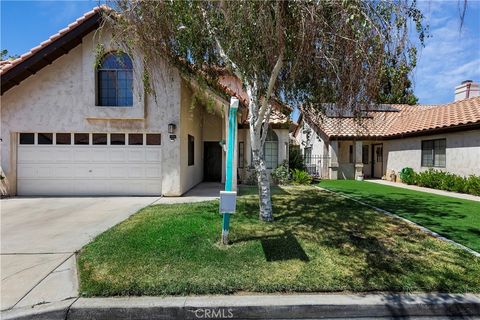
(212, 163)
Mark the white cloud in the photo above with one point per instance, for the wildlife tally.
(450, 56)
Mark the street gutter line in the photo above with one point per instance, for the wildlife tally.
(388, 213)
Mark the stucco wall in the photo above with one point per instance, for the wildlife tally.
(61, 98)
(190, 124)
(462, 153)
(307, 137)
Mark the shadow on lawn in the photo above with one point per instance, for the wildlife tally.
(441, 217)
(395, 255)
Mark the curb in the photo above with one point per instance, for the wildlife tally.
(312, 306)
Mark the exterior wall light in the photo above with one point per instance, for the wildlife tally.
(171, 128)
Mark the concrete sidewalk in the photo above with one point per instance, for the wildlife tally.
(313, 306)
(429, 190)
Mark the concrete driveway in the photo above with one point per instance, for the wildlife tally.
(39, 238)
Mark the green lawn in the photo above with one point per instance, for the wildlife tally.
(453, 218)
(319, 242)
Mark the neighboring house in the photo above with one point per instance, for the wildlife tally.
(74, 123)
(388, 138)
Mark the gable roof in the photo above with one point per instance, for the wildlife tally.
(399, 121)
(15, 71)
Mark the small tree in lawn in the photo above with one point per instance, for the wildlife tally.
(306, 52)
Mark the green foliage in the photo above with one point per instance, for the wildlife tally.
(99, 54)
(6, 56)
(304, 39)
(295, 158)
(251, 177)
(301, 177)
(280, 175)
(408, 175)
(201, 99)
(437, 179)
(472, 185)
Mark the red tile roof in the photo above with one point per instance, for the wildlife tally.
(407, 120)
(9, 64)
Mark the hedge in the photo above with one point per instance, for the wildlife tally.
(442, 180)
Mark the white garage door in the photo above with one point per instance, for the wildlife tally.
(89, 164)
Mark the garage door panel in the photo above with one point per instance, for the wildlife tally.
(100, 155)
(118, 155)
(82, 155)
(88, 170)
(153, 172)
(63, 155)
(152, 155)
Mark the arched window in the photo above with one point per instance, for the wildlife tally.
(114, 76)
(270, 150)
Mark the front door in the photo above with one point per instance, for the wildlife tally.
(212, 164)
(377, 161)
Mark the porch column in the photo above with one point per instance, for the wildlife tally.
(333, 151)
(358, 158)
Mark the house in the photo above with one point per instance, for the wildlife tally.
(76, 123)
(384, 139)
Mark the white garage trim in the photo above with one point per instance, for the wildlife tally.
(53, 169)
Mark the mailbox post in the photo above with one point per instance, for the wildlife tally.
(228, 197)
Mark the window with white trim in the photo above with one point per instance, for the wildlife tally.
(270, 150)
(434, 153)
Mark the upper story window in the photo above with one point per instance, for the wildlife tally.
(115, 80)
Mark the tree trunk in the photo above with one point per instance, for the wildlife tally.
(265, 200)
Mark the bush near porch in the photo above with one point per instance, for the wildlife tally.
(319, 242)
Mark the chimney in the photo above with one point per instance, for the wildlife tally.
(468, 89)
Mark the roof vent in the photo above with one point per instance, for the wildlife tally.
(468, 89)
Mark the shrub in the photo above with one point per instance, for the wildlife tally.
(295, 158)
(430, 178)
(280, 175)
(472, 185)
(451, 182)
(251, 177)
(408, 175)
(301, 177)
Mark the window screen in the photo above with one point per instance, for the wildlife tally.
(434, 153)
(270, 149)
(115, 80)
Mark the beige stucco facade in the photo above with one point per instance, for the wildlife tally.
(61, 98)
(462, 153)
(346, 159)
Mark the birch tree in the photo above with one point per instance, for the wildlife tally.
(295, 52)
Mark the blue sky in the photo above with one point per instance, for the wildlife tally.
(450, 56)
